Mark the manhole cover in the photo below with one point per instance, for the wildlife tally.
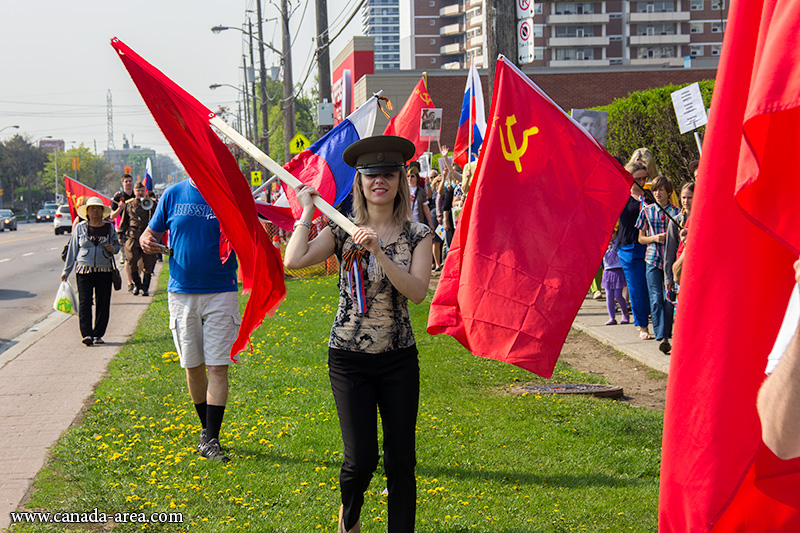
(600, 391)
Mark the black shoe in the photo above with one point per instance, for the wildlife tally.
(202, 441)
(136, 291)
(213, 451)
(145, 292)
(665, 346)
(87, 341)
(99, 340)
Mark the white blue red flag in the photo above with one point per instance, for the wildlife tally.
(472, 124)
(321, 165)
(148, 176)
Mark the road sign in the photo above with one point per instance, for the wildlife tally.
(298, 143)
(689, 108)
(524, 9)
(525, 40)
(255, 178)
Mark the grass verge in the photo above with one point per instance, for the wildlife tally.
(487, 461)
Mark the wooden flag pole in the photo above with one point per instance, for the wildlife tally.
(282, 174)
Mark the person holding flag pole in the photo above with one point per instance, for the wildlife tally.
(372, 354)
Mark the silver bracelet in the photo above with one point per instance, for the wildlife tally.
(301, 223)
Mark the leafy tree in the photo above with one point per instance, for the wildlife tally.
(20, 164)
(647, 119)
(94, 171)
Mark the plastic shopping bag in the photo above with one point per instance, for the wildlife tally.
(65, 299)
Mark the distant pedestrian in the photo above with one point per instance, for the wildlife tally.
(203, 303)
(613, 283)
(136, 215)
(91, 247)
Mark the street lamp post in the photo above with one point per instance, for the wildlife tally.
(6, 127)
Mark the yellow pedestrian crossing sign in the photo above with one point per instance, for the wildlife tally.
(255, 178)
(298, 143)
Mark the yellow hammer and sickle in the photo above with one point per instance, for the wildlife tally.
(425, 97)
(513, 153)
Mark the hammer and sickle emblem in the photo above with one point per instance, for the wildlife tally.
(425, 97)
(514, 153)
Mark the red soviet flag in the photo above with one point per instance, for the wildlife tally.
(745, 234)
(534, 229)
(406, 123)
(185, 123)
(78, 193)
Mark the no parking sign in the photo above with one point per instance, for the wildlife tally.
(524, 31)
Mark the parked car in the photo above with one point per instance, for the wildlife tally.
(9, 220)
(62, 220)
(52, 206)
(45, 215)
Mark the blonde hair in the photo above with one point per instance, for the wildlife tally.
(645, 156)
(402, 202)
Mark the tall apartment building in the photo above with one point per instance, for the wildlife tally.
(381, 20)
(451, 33)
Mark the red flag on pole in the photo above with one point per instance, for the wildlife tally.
(745, 232)
(78, 193)
(406, 123)
(185, 123)
(534, 229)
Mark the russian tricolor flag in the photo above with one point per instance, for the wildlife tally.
(321, 165)
(148, 176)
(473, 117)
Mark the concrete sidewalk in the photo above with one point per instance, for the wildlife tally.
(591, 320)
(46, 377)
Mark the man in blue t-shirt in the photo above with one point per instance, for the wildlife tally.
(203, 303)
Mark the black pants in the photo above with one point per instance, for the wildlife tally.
(389, 382)
(97, 284)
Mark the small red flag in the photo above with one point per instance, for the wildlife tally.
(716, 472)
(77, 193)
(185, 123)
(534, 229)
(406, 123)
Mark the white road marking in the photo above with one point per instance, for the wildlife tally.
(56, 248)
(4, 260)
(26, 255)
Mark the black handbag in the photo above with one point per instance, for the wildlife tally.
(116, 277)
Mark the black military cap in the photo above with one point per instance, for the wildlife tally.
(379, 154)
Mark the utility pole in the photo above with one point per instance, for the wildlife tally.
(323, 57)
(501, 35)
(246, 117)
(253, 81)
(288, 86)
(264, 101)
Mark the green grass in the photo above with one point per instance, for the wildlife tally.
(488, 460)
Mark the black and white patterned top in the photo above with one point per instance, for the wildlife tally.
(386, 325)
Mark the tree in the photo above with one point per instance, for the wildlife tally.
(94, 171)
(647, 119)
(20, 164)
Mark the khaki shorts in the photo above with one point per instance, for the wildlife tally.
(204, 327)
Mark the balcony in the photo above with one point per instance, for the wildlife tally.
(659, 39)
(451, 29)
(475, 42)
(592, 18)
(477, 20)
(450, 49)
(556, 42)
(663, 61)
(580, 63)
(450, 11)
(471, 4)
(665, 16)
(453, 65)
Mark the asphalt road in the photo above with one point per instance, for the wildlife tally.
(30, 270)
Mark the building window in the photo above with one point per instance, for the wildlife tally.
(716, 27)
(697, 5)
(432, 3)
(615, 38)
(433, 22)
(538, 54)
(433, 41)
(717, 4)
(574, 31)
(656, 52)
(615, 15)
(537, 8)
(696, 27)
(716, 49)
(572, 54)
(696, 50)
(538, 30)
(655, 29)
(655, 7)
(574, 8)
(433, 61)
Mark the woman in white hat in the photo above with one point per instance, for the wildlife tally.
(94, 241)
(372, 354)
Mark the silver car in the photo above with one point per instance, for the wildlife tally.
(62, 220)
(8, 220)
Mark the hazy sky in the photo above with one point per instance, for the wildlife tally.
(57, 64)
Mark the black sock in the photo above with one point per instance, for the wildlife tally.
(201, 412)
(214, 416)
